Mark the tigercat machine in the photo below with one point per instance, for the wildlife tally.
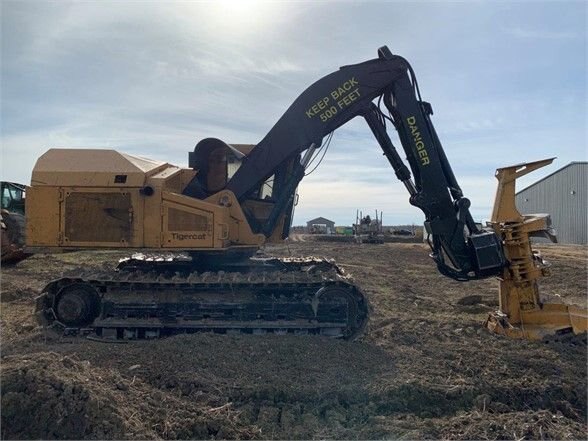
(198, 228)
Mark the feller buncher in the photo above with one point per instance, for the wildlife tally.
(198, 228)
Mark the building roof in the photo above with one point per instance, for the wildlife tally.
(322, 220)
(551, 174)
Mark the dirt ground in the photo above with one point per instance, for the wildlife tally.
(424, 369)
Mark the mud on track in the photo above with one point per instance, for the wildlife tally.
(424, 368)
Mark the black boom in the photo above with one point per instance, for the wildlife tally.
(341, 96)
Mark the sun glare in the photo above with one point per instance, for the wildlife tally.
(238, 6)
(243, 14)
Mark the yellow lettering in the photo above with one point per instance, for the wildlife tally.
(317, 107)
(418, 140)
(354, 95)
(343, 95)
(348, 99)
(343, 102)
(338, 93)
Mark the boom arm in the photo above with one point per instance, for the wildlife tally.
(337, 98)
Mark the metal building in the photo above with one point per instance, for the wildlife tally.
(564, 195)
(320, 225)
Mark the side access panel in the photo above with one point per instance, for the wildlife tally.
(191, 223)
(185, 227)
(101, 218)
(42, 218)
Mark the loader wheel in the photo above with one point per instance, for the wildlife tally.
(13, 237)
(15, 225)
(77, 305)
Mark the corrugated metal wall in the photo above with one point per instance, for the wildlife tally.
(564, 195)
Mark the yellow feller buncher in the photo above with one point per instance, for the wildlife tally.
(198, 229)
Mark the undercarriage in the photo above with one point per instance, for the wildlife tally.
(155, 296)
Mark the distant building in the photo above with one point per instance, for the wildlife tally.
(564, 195)
(320, 225)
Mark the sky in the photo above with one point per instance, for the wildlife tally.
(507, 82)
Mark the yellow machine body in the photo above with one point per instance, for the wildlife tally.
(90, 198)
(522, 313)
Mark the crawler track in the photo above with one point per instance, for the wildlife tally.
(149, 299)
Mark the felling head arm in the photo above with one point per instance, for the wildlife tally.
(505, 209)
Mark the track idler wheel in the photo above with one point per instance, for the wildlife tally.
(77, 305)
(330, 302)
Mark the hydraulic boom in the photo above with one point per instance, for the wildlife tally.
(333, 101)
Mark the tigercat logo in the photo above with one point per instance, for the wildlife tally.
(418, 140)
(189, 236)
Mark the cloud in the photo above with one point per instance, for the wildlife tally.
(246, 66)
(154, 79)
(541, 34)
